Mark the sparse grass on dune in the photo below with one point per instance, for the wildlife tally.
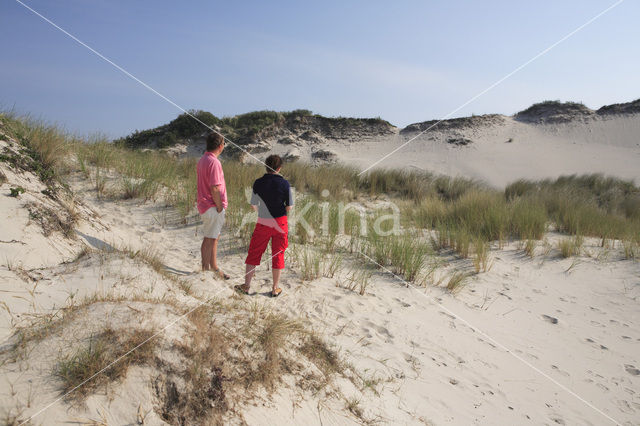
(591, 205)
(47, 144)
(98, 353)
(464, 212)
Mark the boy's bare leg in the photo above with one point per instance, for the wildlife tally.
(276, 277)
(249, 271)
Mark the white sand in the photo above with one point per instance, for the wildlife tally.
(489, 355)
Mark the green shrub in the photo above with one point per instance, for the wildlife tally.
(15, 192)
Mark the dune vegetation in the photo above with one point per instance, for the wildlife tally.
(458, 214)
(349, 235)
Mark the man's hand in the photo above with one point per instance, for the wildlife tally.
(217, 199)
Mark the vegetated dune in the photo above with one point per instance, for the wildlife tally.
(546, 140)
(539, 330)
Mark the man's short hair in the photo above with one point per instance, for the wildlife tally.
(214, 140)
(273, 162)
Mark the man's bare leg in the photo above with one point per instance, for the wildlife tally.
(276, 277)
(205, 252)
(214, 254)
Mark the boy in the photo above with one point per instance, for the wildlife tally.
(272, 199)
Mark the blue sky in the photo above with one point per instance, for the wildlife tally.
(404, 61)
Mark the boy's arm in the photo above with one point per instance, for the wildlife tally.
(289, 202)
(255, 199)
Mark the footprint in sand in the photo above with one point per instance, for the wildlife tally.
(625, 407)
(632, 370)
(596, 344)
(564, 373)
(551, 319)
(447, 315)
(402, 303)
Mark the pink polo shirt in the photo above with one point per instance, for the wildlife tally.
(210, 173)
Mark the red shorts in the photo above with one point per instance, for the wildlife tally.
(275, 230)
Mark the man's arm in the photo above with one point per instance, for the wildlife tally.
(215, 194)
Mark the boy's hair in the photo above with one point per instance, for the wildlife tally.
(273, 162)
(214, 140)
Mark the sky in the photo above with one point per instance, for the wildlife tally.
(404, 61)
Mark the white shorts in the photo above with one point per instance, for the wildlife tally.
(212, 222)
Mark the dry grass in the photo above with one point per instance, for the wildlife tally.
(456, 281)
(15, 417)
(63, 221)
(232, 352)
(98, 354)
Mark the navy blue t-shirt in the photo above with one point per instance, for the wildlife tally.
(271, 193)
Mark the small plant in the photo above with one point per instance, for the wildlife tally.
(100, 351)
(331, 265)
(481, 260)
(530, 248)
(358, 281)
(407, 256)
(570, 246)
(630, 249)
(462, 242)
(101, 182)
(353, 405)
(15, 192)
(456, 281)
(309, 262)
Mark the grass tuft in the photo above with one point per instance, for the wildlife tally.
(570, 246)
(99, 352)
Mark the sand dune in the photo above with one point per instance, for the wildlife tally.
(540, 339)
(502, 152)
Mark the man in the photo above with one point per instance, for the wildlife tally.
(272, 199)
(212, 202)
